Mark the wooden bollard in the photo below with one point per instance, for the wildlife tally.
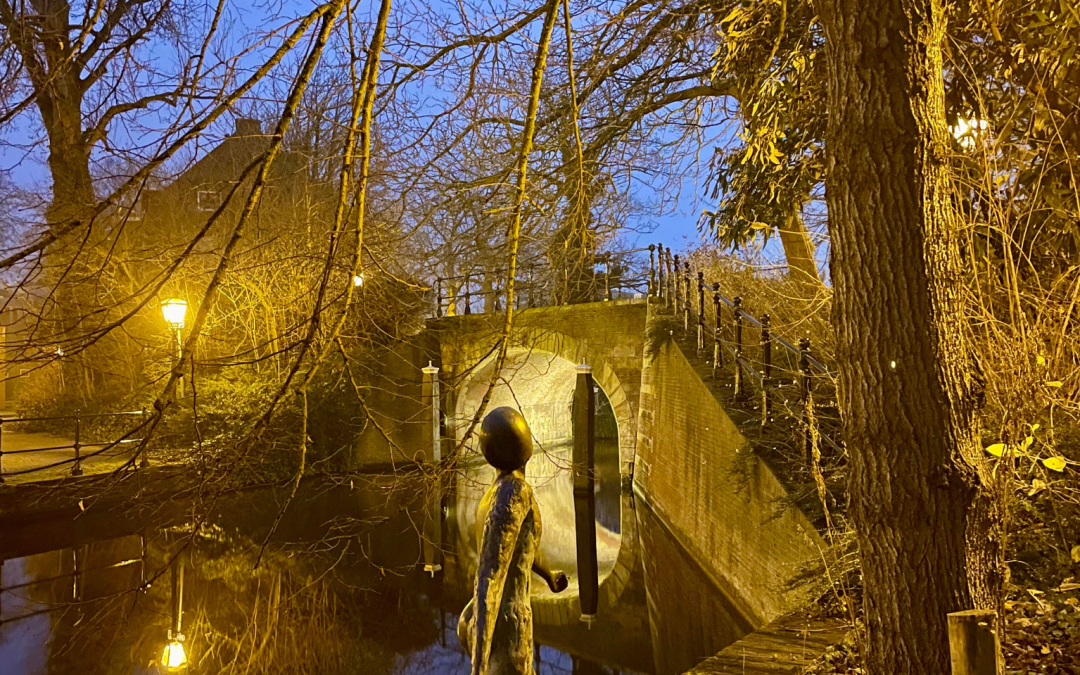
(974, 643)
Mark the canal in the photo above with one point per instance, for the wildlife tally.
(365, 575)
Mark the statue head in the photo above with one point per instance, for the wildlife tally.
(505, 439)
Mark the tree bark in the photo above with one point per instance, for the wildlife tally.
(799, 253)
(908, 387)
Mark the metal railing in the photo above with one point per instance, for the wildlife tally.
(609, 276)
(765, 367)
(77, 445)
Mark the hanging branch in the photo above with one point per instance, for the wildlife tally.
(365, 95)
(514, 231)
(252, 203)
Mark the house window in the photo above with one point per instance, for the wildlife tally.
(208, 200)
(129, 211)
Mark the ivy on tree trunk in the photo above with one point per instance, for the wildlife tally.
(919, 493)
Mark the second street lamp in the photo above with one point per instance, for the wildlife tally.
(175, 311)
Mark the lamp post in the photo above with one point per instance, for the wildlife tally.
(175, 311)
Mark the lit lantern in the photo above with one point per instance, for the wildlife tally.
(174, 659)
(174, 310)
(358, 280)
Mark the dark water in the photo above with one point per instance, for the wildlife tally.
(340, 588)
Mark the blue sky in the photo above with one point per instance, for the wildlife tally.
(24, 152)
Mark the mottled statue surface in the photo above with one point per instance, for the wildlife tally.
(496, 626)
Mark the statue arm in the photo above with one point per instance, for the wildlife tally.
(555, 579)
(501, 530)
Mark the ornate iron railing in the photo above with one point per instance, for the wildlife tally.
(612, 275)
(763, 364)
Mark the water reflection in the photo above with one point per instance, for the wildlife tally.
(340, 589)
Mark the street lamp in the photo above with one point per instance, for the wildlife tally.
(358, 280)
(967, 131)
(175, 311)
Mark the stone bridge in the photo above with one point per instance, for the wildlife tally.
(677, 446)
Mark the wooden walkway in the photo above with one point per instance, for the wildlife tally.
(784, 647)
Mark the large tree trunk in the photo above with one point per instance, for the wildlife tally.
(907, 387)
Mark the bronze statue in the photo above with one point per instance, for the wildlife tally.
(496, 626)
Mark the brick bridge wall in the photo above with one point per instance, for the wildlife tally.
(692, 465)
(720, 501)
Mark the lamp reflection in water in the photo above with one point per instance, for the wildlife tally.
(174, 658)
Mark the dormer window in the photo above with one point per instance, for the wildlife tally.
(208, 200)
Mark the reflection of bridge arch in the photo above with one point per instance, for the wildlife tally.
(540, 378)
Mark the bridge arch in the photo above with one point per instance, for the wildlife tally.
(539, 380)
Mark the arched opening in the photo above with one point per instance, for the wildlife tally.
(541, 385)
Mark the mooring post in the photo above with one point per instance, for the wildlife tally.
(974, 644)
(686, 299)
(739, 379)
(652, 270)
(766, 374)
(806, 383)
(585, 493)
(701, 312)
(76, 468)
(717, 347)
(433, 531)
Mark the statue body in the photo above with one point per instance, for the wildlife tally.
(496, 626)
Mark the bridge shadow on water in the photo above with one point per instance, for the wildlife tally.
(341, 587)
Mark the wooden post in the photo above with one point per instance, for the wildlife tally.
(974, 643)
(585, 494)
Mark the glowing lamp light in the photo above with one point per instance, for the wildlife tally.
(174, 659)
(967, 131)
(174, 310)
(358, 280)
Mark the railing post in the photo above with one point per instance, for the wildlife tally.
(675, 262)
(701, 312)
(438, 297)
(806, 384)
(686, 296)
(652, 270)
(607, 278)
(668, 292)
(766, 375)
(76, 469)
(1, 450)
(717, 347)
(740, 382)
(468, 300)
(532, 287)
(145, 462)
